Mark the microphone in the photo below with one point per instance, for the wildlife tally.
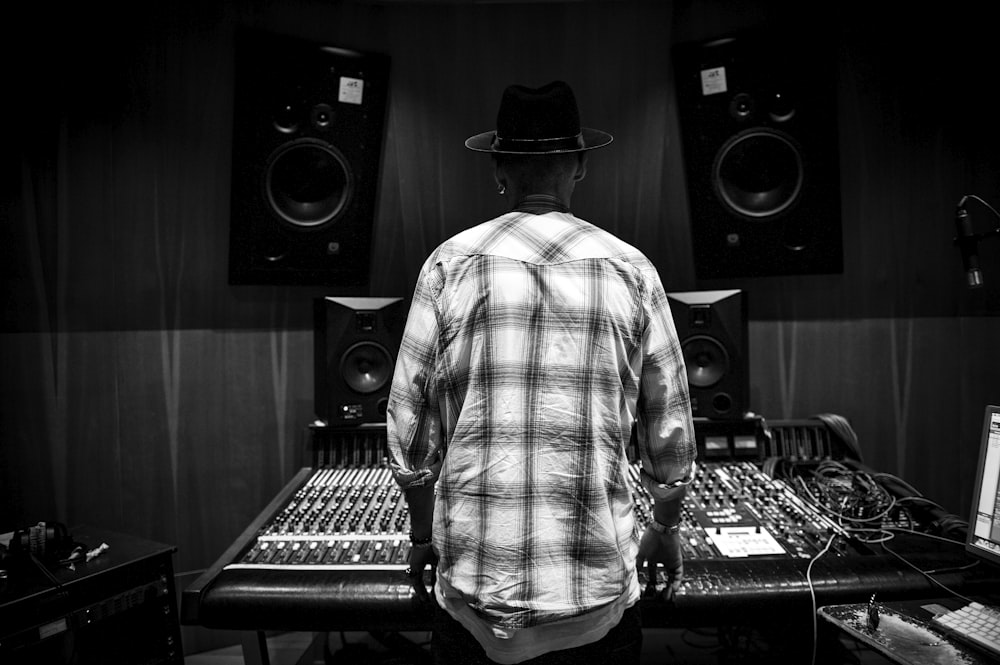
(968, 244)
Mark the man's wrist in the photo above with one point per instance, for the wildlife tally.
(664, 528)
(668, 512)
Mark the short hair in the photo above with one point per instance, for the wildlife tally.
(538, 171)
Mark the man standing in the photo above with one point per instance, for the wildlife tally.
(534, 342)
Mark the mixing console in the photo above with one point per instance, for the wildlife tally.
(355, 518)
(770, 531)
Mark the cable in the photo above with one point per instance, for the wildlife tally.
(884, 535)
(907, 486)
(812, 593)
(920, 499)
(932, 513)
(961, 204)
(44, 570)
(927, 535)
(925, 573)
(850, 496)
(197, 571)
(953, 569)
(967, 240)
(769, 466)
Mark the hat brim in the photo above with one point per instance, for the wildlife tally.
(591, 139)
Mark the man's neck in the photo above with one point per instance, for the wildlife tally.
(539, 204)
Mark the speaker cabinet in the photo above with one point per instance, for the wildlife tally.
(758, 116)
(307, 139)
(356, 341)
(712, 328)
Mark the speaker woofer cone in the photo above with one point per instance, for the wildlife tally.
(366, 367)
(758, 173)
(308, 183)
(706, 361)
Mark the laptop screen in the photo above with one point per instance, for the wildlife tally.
(983, 539)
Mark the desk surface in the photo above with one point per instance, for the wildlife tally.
(903, 634)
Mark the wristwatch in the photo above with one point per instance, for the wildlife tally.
(664, 528)
(420, 542)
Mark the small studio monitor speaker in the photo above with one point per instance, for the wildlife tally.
(712, 328)
(307, 139)
(758, 116)
(356, 341)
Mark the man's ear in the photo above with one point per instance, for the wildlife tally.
(499, 175)
(581, 167)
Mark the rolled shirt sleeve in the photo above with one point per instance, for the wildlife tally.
(665, 431)
(413, 420)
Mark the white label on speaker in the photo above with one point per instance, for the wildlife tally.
(351, 90)
(713, 80)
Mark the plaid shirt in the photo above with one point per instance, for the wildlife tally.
(532, 343)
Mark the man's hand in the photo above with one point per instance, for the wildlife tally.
(420, 557)
(420, 503)
(665, 548)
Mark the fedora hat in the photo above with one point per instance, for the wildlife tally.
(537, 121)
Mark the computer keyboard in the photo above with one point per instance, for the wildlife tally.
(976, 624)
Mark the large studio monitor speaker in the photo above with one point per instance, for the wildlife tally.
(356, 341)
(712, 328)
(307, 140)
(758, 116)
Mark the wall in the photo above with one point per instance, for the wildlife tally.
(143, 393)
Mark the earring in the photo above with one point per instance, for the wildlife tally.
(501, 189)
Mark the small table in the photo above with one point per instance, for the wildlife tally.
(119, 607)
